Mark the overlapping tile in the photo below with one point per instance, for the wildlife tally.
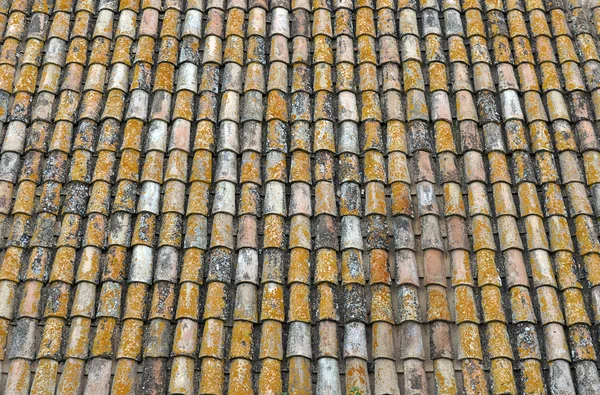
(331, 197)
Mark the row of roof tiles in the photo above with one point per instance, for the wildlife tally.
(124, 284)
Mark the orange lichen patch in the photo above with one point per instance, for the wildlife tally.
(67, 106)
(250, 170)
(153, 167)
(365, 22)
(241, 340)
(375, 199)
(487, 273)
(202, 167)
(466, 310)
(27, 79)
(549, 305)
(327, 266)
(216, 305)
(103, 345)
(554, 203)
(276, 170)
(582, 343)
(356, 377)
(539, 25)
(272, 303)
(192, 266)
(136, 299)
(327, 306)
(125, 375)
(187, 303)
(271, 340)
(371, 108)
(300, 167)
(592, 267)
(491, 302)
(469, 341)
(475, 25)
(498, 167)
(396, 136)
(560, 237)
(70, 377)
(240, 377)
(322, 49)
(25, 198)
(433, 46)
(212, 378)
(204, 139)
(273, 232)
(482, 233)
(574, 307)
(521, 305)
(379, 261)
(531, 376)
(498, 342)
(457, 52)
(300, 235)
(586, 235)
(9, 52)
(64, 262)
(121, 52)
(440, 82)
(213, 339)
(413, 77)
(367, 77)
(300, 376)
(502, 50)
(18, 377)
(588, 47)
(164, 76)
(381, 304)
(269, 382)
(566, 270)
(401, 201)
(45, 377)
(299, 303)
(566, 50)
(374, 166)
(235, 22)
(437, 304)
(184, 107)
(322, 76)
(591, 160)
(299, 270)
(366, 49)
(445, 383)
(79, 337)
(398, 168)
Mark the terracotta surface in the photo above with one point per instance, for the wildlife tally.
(331, 197)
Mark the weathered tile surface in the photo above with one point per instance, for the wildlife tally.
(299, 197)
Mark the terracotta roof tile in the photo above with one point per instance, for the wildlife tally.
(195, 202)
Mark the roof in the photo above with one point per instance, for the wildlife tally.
(327, 197)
